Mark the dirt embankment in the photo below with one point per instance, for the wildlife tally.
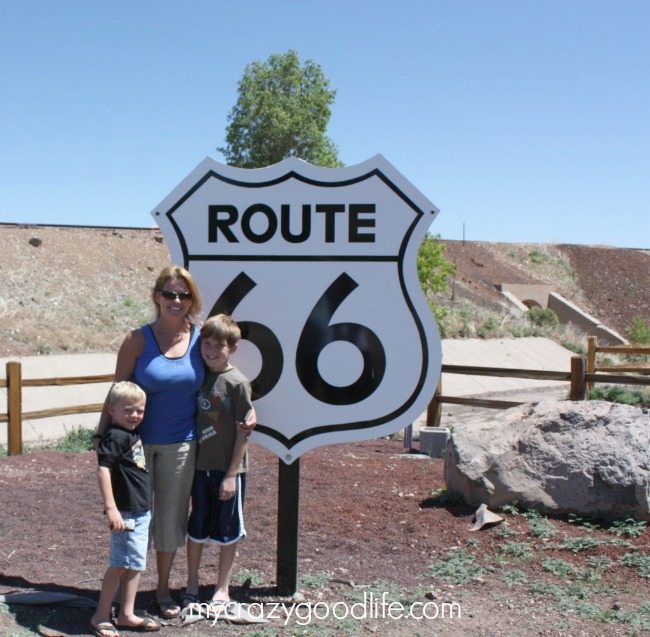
(80, 289)
(611, 284)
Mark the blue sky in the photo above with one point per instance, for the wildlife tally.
(523, 121)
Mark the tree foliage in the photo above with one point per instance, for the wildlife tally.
(434, 271)
(282, 110)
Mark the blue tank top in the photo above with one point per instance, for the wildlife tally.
(171, 385)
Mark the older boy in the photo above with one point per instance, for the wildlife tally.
(221, 464)
(125, 490)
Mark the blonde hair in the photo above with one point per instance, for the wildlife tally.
(125, 391)
(221, 327)
(173, 273)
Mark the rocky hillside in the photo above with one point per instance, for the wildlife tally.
(80, 289)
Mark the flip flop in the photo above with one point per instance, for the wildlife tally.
(215, 609)
(147, 625)
(169, 609)
(104, 629)
(232, 613)
(189, 598)
(236, 614)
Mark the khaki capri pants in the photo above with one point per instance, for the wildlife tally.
(171, 470)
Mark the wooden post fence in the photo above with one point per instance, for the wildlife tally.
(579, 376)
(14, 417)
(14, 409)
(578, 384)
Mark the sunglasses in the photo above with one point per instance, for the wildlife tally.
(171, 295)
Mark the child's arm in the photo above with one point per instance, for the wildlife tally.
(227, 488)
(115, 521)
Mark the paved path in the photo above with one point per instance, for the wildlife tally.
(521, 353)
(38, 398)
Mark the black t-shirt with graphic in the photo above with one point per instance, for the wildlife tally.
(121, 451)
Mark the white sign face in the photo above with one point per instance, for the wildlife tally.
(318, 267)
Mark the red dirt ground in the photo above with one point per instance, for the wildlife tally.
(370, 519)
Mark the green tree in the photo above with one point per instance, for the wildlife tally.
(434, 271)
(282, 110)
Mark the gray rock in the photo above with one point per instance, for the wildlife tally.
(590, 458)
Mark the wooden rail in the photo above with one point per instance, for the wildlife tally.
(15, 415)
(636, 367)
(579, 376)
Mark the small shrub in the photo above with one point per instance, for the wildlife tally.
(315, 580)
(251, 578)
(578, 544)
(514, 577)
(572, 341)
(77, 440)
(560, 568)
(458, 568)
(637, 561)
(585, 523)
(510, 508)
(597, 565)
(520, 550)
(620, 394)
(42, 349)
(538, 257)
(543, 317)
(639, 331)
(539, 525)
(628, 528)
(441, 314)
(488, 328)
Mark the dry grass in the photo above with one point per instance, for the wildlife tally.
(80, 289)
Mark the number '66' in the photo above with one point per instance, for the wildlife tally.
(316, 334)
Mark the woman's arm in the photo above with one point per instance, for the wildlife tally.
(131, 348)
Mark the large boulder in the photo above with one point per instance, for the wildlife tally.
(591, 458)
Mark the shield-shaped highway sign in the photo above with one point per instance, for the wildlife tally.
(318, 267)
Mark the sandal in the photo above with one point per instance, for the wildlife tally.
(188, 599)
(104, 629)
(216, 609)
(169, 609)
(147, 625)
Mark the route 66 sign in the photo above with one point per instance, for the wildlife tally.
(318, 267)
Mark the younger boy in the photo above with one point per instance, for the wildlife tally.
(221, 463)
(125, 490)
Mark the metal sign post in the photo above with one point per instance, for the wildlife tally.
(288, 512)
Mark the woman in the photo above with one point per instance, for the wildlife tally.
(164, 358)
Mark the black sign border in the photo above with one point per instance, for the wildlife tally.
(289, 443)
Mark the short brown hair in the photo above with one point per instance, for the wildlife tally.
(223, 328)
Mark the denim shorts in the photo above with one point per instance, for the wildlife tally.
(128, 549)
